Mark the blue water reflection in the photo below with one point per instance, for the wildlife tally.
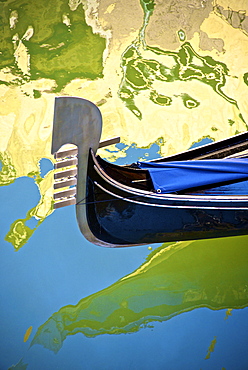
(58, 267)
(135, 154)
(45, 166)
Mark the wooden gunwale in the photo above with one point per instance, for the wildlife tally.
(188, 198)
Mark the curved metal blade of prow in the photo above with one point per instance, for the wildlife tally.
(76, 121)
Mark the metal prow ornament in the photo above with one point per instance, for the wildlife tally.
(76, 121)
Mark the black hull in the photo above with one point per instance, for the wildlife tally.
(118, 215)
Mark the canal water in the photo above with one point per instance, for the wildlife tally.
(66, 303)
(166, 76)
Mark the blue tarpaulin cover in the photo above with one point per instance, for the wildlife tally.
(170, 177)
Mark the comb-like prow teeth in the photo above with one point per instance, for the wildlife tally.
(66, 153)
(65, 193)
(64, 203)
(65, 183)
(66, 163)
(65, 174)
(65, 178)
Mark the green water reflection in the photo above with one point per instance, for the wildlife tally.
(175, 278)
(140, 73)
(20, 366)
(60, 44)
(7, 171)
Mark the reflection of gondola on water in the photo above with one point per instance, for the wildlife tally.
(174, 279)
(200, 193)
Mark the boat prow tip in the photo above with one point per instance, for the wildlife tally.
(76, 121)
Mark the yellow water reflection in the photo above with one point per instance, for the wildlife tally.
(27, 334)
(228, 313)
(175, 278)
(211, 348)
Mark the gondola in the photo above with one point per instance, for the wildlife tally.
(136, 204)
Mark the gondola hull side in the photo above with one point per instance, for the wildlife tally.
(121, 217)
